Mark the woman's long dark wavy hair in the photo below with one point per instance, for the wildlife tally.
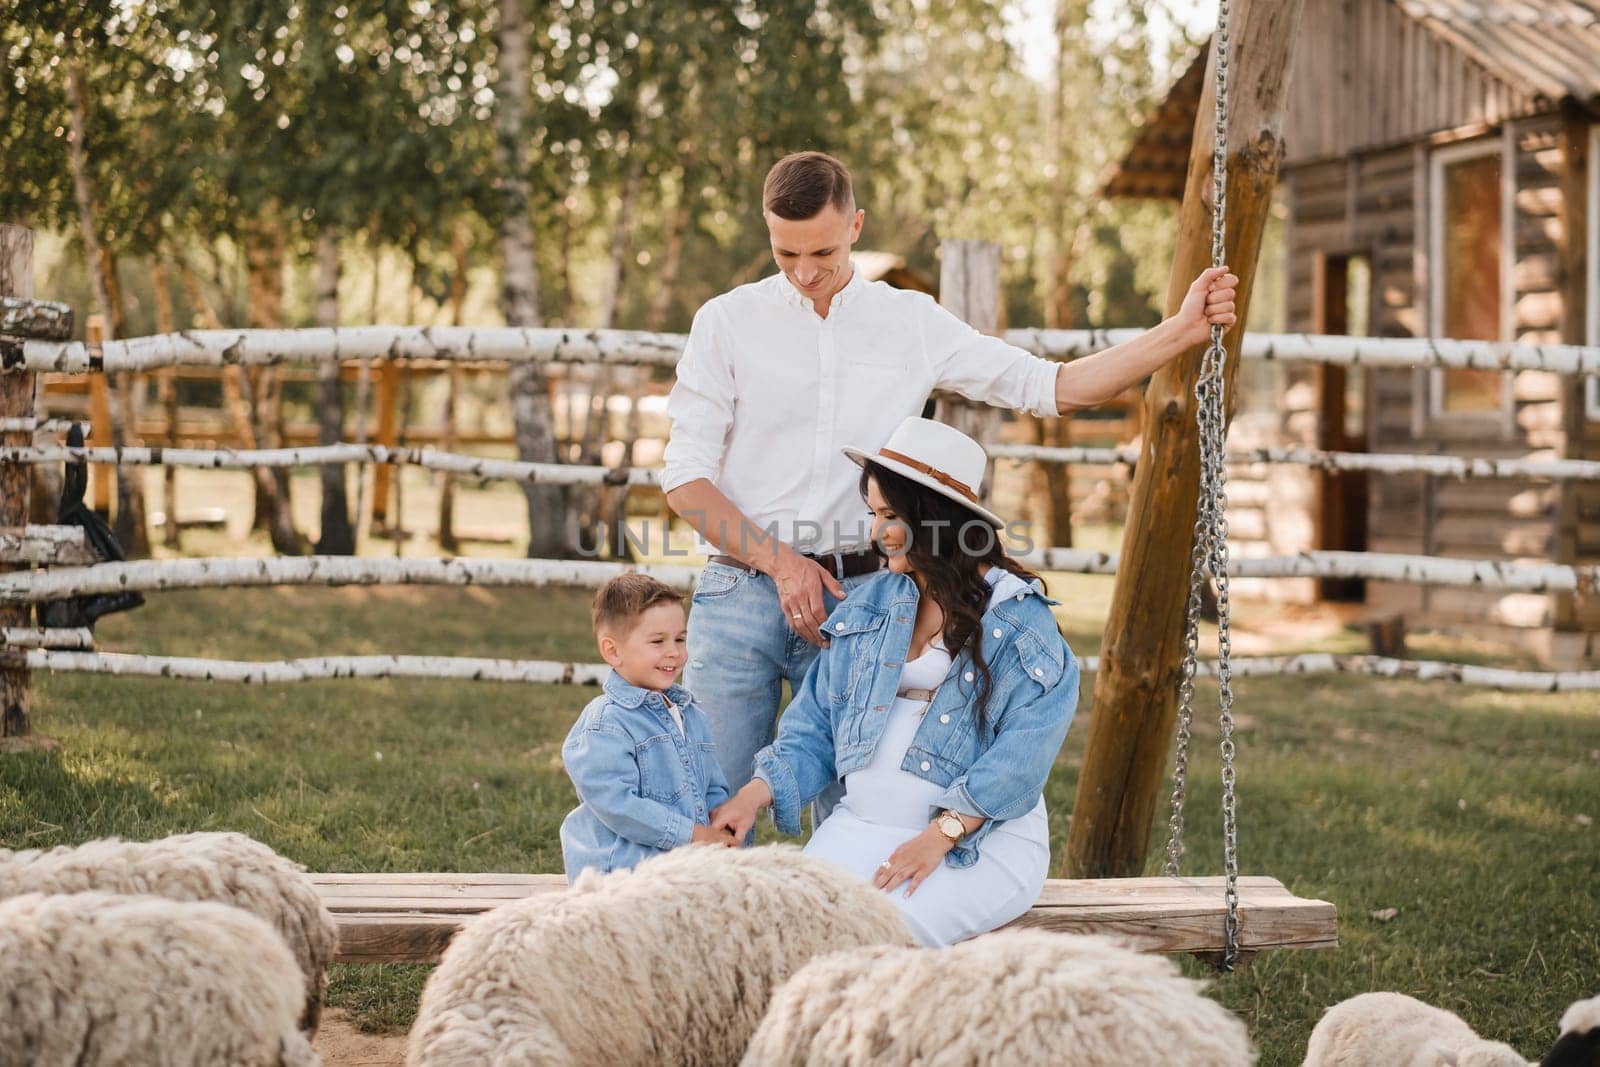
(947, 544)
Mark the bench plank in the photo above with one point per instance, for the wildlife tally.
(410, 918)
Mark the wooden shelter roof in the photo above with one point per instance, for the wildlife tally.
(1538, 50)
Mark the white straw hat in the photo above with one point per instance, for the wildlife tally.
(937, 457)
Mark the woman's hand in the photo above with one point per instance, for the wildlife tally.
(1210, 301)
(738, 813)
(913, 861)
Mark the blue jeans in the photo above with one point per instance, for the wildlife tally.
(740, 650)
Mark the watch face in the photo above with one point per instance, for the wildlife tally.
(951, 826)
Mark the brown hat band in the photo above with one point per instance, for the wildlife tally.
(933, 472)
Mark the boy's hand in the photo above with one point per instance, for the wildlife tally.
(706, 835)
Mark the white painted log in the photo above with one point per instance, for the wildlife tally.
(250, 458)
(27, 587)
(454, 668)
(215, 348)
(554, 673)
(1418, 570)
(1380, 352)
(1382, 462)
(40, 637)
(502, 344)
(45, 544)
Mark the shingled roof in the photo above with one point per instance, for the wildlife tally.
(1548, 49)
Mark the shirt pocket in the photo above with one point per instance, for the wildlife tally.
(661, 770)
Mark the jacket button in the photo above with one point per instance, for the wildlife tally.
(1038, 672)
(838, 627)
(997, 631)
(969, 676)
(927, 766)
(944, 718)
(1021, 595)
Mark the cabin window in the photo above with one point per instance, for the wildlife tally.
(1592, 386)
(1469, 272)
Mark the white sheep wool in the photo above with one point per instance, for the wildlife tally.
(1394, 1030)
(1016, 997)
(98, 980)
(672, 962)
(227, 868)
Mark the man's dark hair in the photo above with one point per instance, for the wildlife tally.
(800, 185)
(624, 598)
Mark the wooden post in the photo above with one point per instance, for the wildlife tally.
(1131, 728)
(16, 401)
(388, 393)
(102, 475)
(1569, 613)
(969, 287)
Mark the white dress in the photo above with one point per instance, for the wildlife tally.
(884, 807)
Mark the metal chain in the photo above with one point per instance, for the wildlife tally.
(1210, 551)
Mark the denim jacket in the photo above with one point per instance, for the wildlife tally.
(995, 770)
(642, 785)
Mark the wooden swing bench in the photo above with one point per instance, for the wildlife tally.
(410, 918)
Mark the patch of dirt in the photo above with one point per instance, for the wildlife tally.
(340, 1044)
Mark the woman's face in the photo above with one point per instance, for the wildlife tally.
(889, 531)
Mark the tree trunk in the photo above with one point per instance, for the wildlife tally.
(337, 538)
(16, 401)
(167, 392)
(102, 274)
(1131, 728)
(452, 402)
(264, 251)
(530, 396)
(671, 257)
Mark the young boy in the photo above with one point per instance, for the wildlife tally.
(640, 755)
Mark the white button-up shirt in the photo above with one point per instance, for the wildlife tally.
(769, 392)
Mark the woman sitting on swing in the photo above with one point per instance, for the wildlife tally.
(939, 705)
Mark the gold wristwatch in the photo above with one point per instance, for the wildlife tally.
(950, 825)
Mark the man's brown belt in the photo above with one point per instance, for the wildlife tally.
(842, 564)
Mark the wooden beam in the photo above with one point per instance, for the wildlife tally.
(410, 918)
(1131, 728)
(42, 320)
(16, 402)
(969, 288)
(1573, 275)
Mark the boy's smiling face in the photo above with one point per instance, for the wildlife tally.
(650, 653)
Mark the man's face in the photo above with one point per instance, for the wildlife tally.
(814, 253)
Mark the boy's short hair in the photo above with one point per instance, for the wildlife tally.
(800, 185)
(620, 602)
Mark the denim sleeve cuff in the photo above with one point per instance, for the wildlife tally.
(786, 799)
(677, 832)
(956, 798)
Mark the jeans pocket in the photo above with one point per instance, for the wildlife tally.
(718, 579)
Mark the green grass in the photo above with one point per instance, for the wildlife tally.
(1471, 812)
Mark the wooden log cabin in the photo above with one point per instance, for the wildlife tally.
(1441, 177)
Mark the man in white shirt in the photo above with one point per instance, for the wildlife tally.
(777, 377)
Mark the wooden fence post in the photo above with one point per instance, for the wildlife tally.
(16, 402)
(969, 287)
(1131, 728)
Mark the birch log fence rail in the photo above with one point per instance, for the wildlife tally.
(47, 545)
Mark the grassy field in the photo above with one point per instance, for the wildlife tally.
(1470, 813)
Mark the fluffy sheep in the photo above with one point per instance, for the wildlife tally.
(1579, 1043)
(223, 867)
(672, 962)
(1394, 1030)
(99, 980)
(1014, 997)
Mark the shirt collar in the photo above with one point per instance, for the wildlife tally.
(843, 298)
(620, 691)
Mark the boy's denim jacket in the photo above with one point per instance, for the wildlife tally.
(642, 785)
(994, 770)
